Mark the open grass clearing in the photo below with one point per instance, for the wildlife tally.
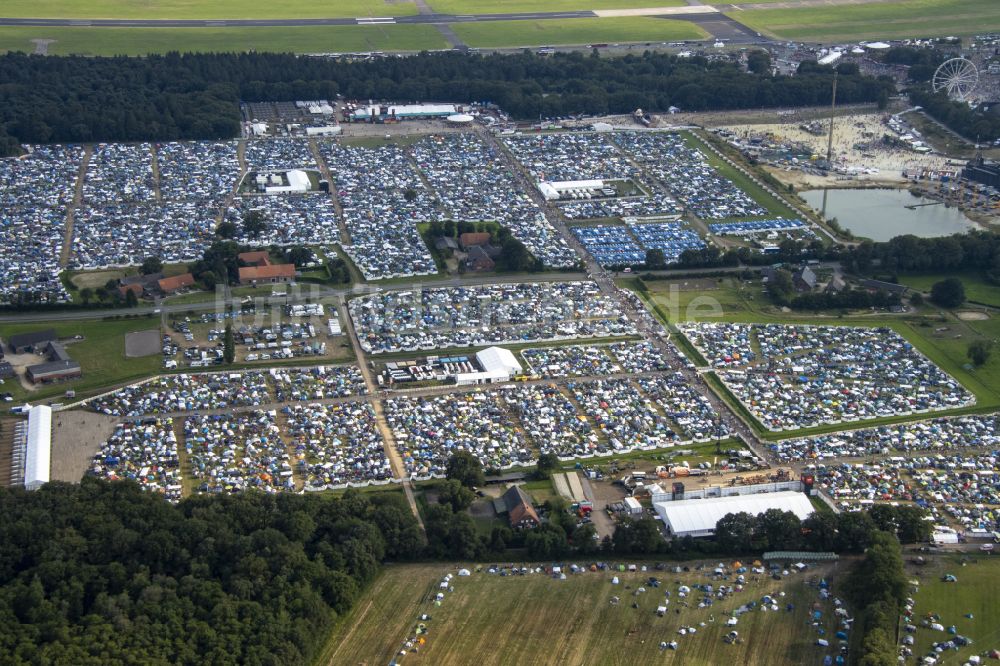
(975, 593)
(143, 41)
(199, 9)
(461, 7)
(910, 18)
(498, 34)
(977, 289)
(536, 619)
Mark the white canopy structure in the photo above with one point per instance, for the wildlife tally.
(38, 451)
(498, 358)
(697, 517)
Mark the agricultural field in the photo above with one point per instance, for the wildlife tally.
(974, 594)
(141, 41)
(496, 34)
(198, 9)
(910, 18)
(536, 619)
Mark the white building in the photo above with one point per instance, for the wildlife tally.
(498, 358)
(560, 189)
(298, 181)
(497, 365)
(698, 517)
(38, 452)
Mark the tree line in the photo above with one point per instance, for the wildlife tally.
(105, 573)
(196, 96)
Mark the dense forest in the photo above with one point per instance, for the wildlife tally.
(195, 96)
(104, 573)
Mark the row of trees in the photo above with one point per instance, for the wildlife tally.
(103, 572)
(971, 251)
(195, 96)
(877, 588)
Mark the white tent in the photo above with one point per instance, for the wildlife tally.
(497, 358)
(698, 517)
(39, 447)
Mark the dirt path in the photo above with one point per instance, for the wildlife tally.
(345, 238)
(67, 245)
(388, 439)
(156, 172)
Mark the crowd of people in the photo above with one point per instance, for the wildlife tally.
(484, 315)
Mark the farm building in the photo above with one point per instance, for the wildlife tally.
(520, 511)
(268, 274)
(255, 258)
(176, 283)
(39, 447)
(33, 341)
(698, 517)
(59, 366)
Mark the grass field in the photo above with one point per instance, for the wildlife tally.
(539, 620)
(141, 41)
(496, 34)
(975, 592)
(101, 355)
(977, 289)
(202, 9)
(460, 7)
(910, 18)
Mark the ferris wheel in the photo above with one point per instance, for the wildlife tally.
(958, 77)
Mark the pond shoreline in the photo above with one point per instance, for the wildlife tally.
(879, 212)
